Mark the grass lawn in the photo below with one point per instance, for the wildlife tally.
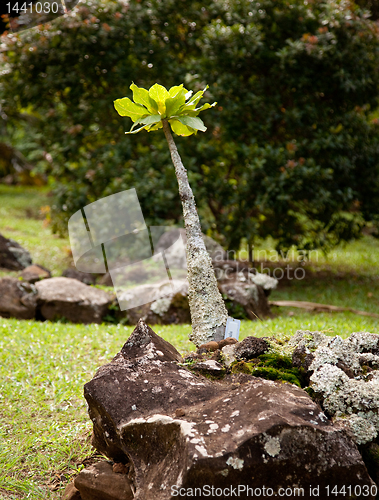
(45, 429)
(22, 218)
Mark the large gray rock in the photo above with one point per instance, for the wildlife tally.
(181, 430)
(172, 308)
(167, 240)
(236, 270)
(87, 278)
(344, 374)
(69, 298)
(17, 300)
(248, 295)
(12, 255)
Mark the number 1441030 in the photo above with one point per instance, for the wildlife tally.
(38, 7)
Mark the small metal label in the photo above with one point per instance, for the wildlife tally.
(232, 328)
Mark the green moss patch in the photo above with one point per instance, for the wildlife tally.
(271, 367)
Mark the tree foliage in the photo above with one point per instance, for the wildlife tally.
(291, 152)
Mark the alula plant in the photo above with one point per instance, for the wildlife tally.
(177, 108)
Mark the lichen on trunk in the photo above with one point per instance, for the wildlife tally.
(208, 311)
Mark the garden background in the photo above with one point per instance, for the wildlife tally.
(288, 169)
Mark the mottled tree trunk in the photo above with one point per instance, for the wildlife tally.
(208, 311)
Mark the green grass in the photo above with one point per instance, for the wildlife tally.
(361, 256)
(45, 429)
(348, 276)
(22, 219)
(356, 292)
(44, 426)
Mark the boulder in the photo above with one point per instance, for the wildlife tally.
(370, 455)
(236, 270)
(180, 430)
(249, 296)
(35, 273)
(250, 347)
(167, 240)
(100, 482)
(87, 278)
(172, 308)
(210, 367)
(228, 355)
(343, 375)
(69, 298)
(17, 299)
(12, 255)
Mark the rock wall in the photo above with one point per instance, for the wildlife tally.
(174, 426)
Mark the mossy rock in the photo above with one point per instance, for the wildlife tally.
(277, 361)
(273, 374)
(241, 367)
(271, 367)
(310, 392)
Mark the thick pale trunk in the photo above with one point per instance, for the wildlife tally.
(208, 311)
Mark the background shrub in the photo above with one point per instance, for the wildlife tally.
(290, 151)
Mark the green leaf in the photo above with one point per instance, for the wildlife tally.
(193, 122)
(196, 111)
(151, 119)
(132, 131)
(195, 99)
(175, 90)
(126, 107)
(159, 94)
(191, 104)
(205, 106)
(173, 104)
(155, 126)
(147, 122)
(141, 96)
(180, 129)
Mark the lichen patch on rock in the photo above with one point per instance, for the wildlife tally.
(343, 377)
